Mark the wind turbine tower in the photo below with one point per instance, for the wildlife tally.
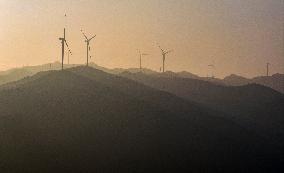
(140, 59)
(164, 53)
(212, 66)
(88, 44)
(267, 69)
(63, 43)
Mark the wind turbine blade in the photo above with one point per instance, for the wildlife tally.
(169, 51)
(84, 34)
(66, 43)
(92, 37)
(160, 48)
(70, 52)
(68, 47)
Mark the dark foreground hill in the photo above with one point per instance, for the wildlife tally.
(85, 120)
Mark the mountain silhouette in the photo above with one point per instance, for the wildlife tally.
(186, 74)
(235, 80)
(26, 71)
(85, 120)
(275, 81)
(14, 75)
(253, 106)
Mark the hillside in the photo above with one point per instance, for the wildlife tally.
(85, 120)
(26, 71)
(14, 75)
(235, 80)
(275, 81)
(256, 107)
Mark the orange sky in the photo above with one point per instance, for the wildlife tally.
(238, 36)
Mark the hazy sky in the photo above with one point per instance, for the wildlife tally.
(238, 36)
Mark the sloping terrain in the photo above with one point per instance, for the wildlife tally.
(235, 80)
(14, 75)
(275, 81)
(256, 107)
(26, 71)
(85, 120)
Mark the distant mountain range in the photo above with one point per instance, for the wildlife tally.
(86, 120)
(275, 81)
(253, 106)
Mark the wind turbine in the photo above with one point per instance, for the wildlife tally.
(267, 68)
(212, 66)
(64, 42)
(164, 53)
(140, 58)
(88, 43)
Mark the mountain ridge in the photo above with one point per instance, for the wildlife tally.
(83, 119)
(275, 81)
(250, 105)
